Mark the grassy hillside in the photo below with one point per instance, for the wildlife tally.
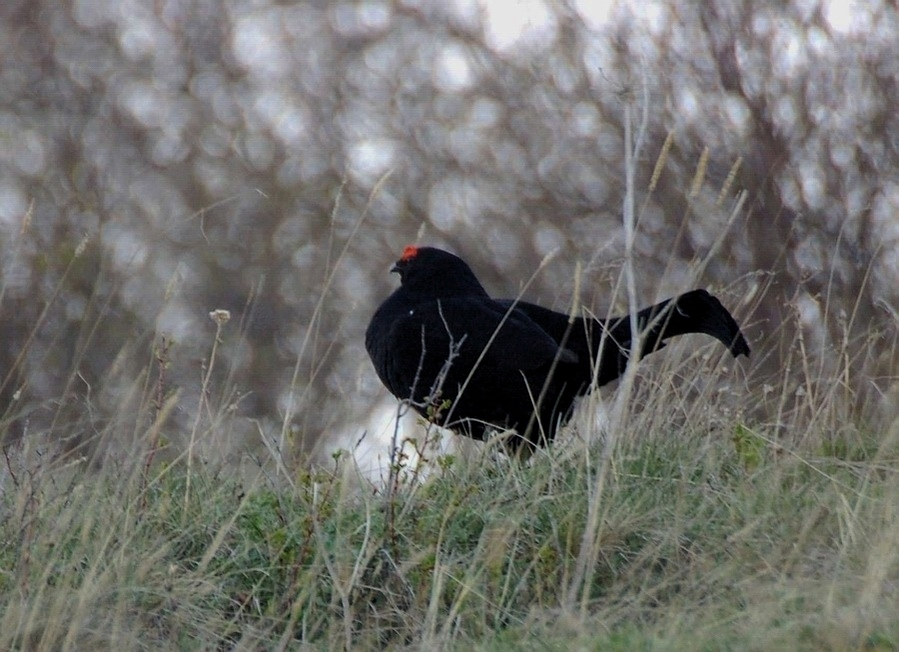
(694, 531)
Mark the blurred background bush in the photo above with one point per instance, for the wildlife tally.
(159, 160)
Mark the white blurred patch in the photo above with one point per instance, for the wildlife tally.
(127, 247)
(281, 113)
(453, 202)
(811, 318)
(29, 152)
(655, 15)
(513, 23)
(370, 159)
(142, 101)
(258, 44)
(452, 71)
(13, 205)
(811, 178)
(370, 444)
(360, 18)
(485, 113)
(584, 120)
(180, 321)
(594, 13)
(687, 103)
(737, 113)
(588, 423)
(849, 16)
(141, 36)
(789, 48)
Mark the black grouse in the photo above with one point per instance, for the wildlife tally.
(471, 363)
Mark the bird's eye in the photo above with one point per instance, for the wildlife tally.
(411, 312)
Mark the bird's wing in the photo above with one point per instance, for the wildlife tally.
(422, 340)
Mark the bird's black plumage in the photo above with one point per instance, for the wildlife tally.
(470, 362)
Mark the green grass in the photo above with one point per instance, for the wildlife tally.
(704, 543)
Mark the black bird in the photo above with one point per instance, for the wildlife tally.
(471, 363)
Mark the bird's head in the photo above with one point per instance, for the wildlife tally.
(436, 272)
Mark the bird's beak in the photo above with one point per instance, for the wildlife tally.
(395, 269)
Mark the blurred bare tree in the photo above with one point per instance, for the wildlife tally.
(163, 159)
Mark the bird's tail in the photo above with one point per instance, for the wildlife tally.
(693, 312)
